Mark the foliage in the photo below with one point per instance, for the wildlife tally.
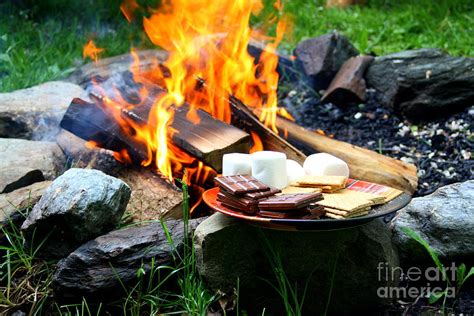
(43, 40)
(461, 274)
(292, 300)
(24, 278)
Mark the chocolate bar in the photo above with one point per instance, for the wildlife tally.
(240, 184)
(262, 194)
(283, 215)
(289, 201)
(249, 209)
(223, 196)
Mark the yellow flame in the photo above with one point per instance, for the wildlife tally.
(206, 40)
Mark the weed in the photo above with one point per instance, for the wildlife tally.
(24, 279)
(461, 274)
(292, 300)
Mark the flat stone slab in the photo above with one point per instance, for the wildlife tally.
(230, 251)
(14, 205)
(21, 155)
(35, 113)
(12, 178)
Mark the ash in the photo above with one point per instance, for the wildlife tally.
(441, 149)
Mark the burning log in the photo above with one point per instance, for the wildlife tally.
(207, 141)
(245, 119)
(363, 163)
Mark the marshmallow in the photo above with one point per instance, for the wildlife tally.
(325, 165)
(233, 164)
(270, 168)
(294, 170)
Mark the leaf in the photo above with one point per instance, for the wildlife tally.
(412, 234)
(464, 279)
(435, 296)
(460, 274)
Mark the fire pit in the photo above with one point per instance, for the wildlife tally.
(206, 96)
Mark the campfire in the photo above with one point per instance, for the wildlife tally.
(208, 96)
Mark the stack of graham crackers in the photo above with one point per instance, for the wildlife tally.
(340, 202)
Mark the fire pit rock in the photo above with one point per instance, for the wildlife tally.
(78, 206)
(229, 251)
(13, 205)
(18, 177)
(34, 113)
(424, 83)
(445, 219)
(23, 162)
(96, 268)
(323, 56)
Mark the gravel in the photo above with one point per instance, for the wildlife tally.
(442, 149)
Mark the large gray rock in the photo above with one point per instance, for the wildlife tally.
(424, 83)
(445, 219)
(228, 250)
(34, 113)
(21, 157)
(323, 56)
(78, 206)
(96, 268)
(14, 205)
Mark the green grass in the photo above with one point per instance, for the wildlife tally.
(25, 280)
(43, 40)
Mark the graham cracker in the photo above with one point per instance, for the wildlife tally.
(324, 189)
(345, 213)
(377, 199)
(334, 216)
(322, 181)
(391, 194)
(346, 200)
(292, 190)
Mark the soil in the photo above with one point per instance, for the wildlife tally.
(442, 149)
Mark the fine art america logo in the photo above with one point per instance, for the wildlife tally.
(432, 276)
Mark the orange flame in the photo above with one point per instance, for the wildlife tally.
(206, 40)
(91, 51)
(257, 142)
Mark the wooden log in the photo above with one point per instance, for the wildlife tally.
(364, 164)
(92, 122)
(245, 119)
(349, 85)
(152, 198)
(207, 141)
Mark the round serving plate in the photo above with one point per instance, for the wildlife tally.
(385, 210)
